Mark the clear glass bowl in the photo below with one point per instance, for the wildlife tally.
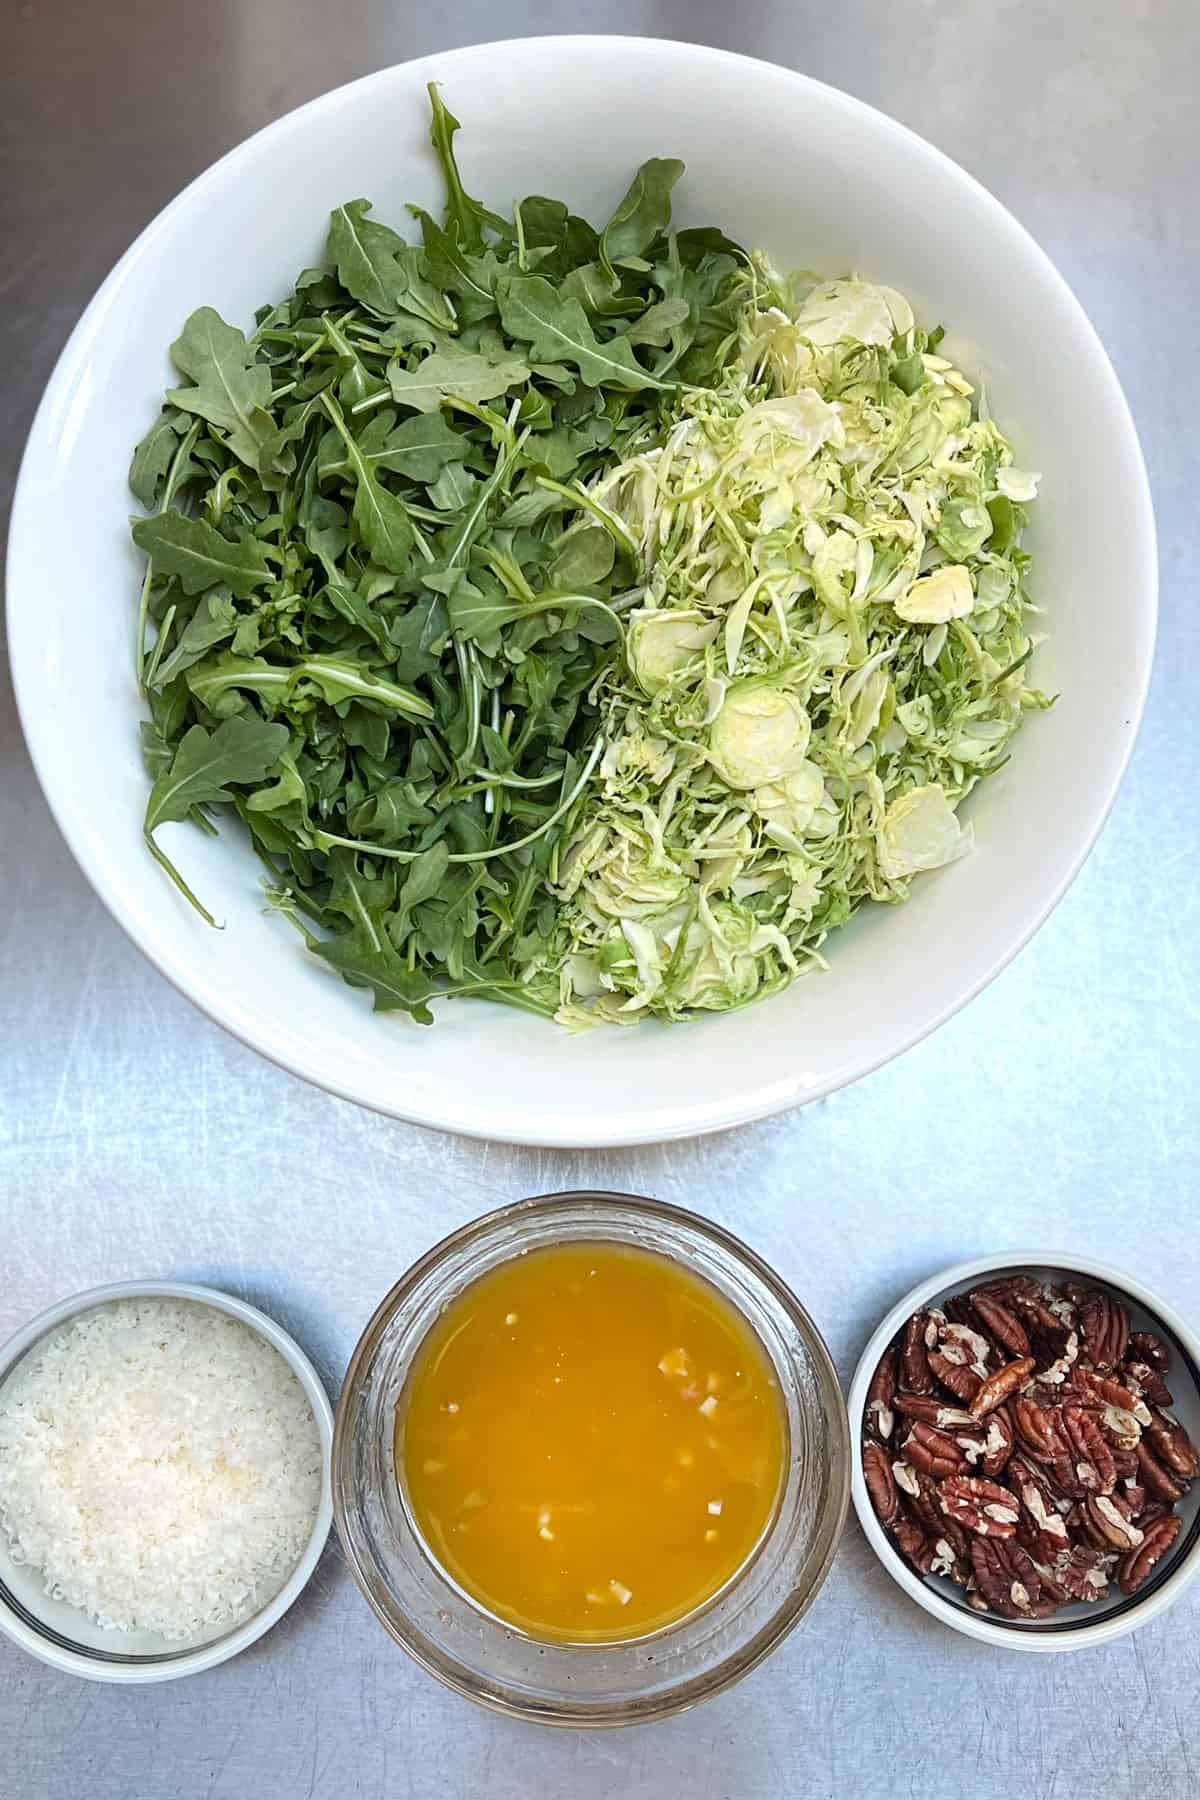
(607, 1684)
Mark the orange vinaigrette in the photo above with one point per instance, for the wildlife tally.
(591, 1440)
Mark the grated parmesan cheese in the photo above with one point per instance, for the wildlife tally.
(160, 1466)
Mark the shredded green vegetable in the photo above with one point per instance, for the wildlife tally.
(828, 654)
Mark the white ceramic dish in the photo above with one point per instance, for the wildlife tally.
(817, 179)
(1079, 1627)
(61, 1635)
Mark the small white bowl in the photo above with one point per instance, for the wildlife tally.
(821, 182)
(1072, 1629)
(63, 1636)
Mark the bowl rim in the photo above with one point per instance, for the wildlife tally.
(205, 1656)
(976, 1625)
(450, 1112)
(790, 1612)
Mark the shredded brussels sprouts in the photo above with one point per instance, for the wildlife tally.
(827, 652)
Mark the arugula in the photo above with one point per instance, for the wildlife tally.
(200, 556)
(643, 214)
(231, 389)
(382, 596)
(552, 325)
(454, 373)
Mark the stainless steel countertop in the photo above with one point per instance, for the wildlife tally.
(1060, 1108)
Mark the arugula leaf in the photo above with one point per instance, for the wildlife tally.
(380, 517)
(557, 327)
(383, 272)
(356, 610)
(207, 763)
(469, 277)
(468, 217)
(213, 622)
(337, 679)
(201, 557)
(417, 637)
(454, 488)
(232, 389)
(367, 959)
(426, 877)
(598, 291)
(643, 214)
(658, 324)
(464, 374)
(154, 455)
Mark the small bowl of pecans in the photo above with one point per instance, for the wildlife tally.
(1025, 1435)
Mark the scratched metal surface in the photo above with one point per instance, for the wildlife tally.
(135, 1138)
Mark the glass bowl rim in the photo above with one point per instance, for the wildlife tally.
(838, 1447)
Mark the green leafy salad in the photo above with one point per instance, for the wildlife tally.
(584, 619)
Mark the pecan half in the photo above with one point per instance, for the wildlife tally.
(958, 1378)
(1000, 1386)
(1043, 1437)
(1138, 1564)
(920, 1502)
(956, 1336)
(1084, 1573)
(1157, 1478)
(1151, 1349)
(931, 1410)
(1007, 1578)
(877, 1414)
(1172, 1445)
(1125, 1462)
(914, 1357)
(1103, 1390)
(914, 1545)
(1037, 1428)
(932, 1451)
(978, 1505)
(1044, 1528)
(954, 1533)
(947, 1561)
(1105, 1327)
(1012, 1290)
(1052, 1587)
(989, 1443)
(881, 1483)
(1148, 1382)
(1004, 1325)
(1121, 1428)
(1058, 1357)
(906, 1478)
(1134, 1495)
(1107, 1525)
(1092, 1459)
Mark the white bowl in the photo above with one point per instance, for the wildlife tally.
(63, 1636)
(1071, 1629)
(818, 180)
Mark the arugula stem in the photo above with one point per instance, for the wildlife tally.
(178, 464)
(326, 840)
(165, 862)
(160, 643)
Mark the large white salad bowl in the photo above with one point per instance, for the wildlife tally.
(818, 180)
